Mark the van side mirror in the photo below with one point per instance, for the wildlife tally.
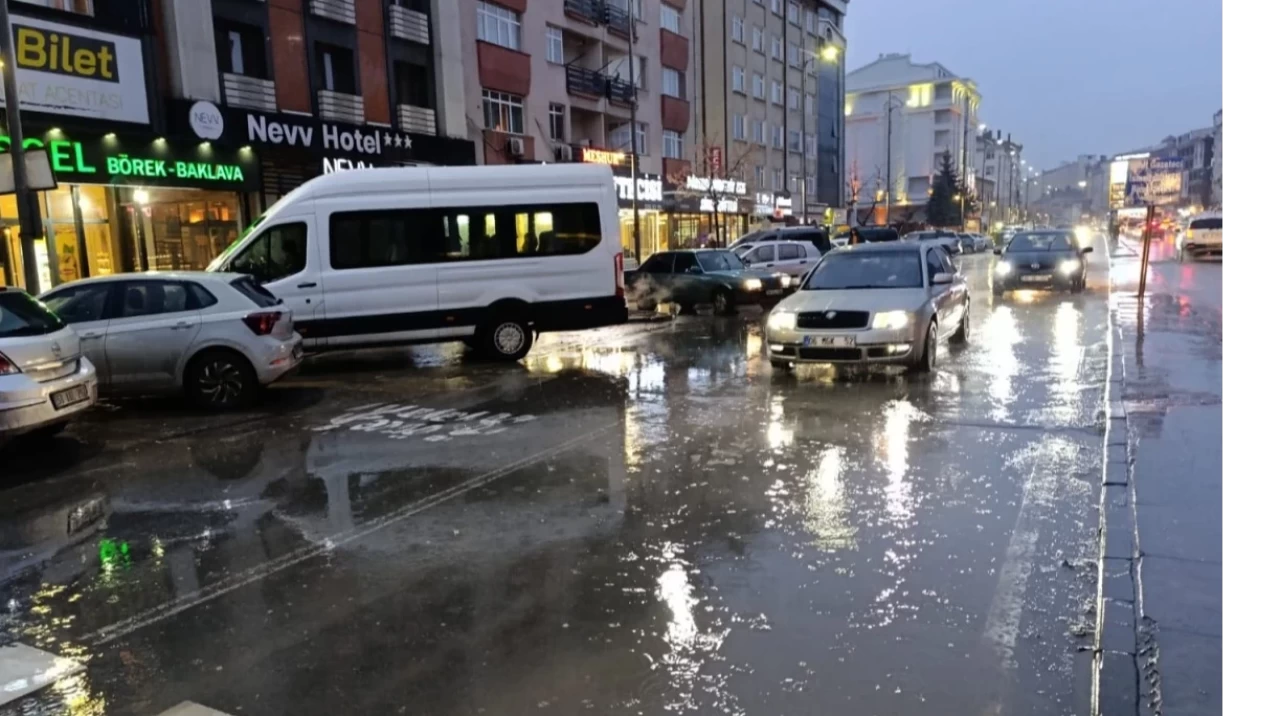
(1087, 250)
(943, 278)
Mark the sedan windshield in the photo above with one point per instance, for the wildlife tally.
(719, 261)
(22, 315)
(889, 269)
(1054, 241)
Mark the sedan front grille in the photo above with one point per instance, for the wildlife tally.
(832, 319)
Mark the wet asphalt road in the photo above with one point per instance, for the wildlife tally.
(639, 520)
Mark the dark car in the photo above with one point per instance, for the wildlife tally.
(1049, 259)
(699, 276)
(874, 234)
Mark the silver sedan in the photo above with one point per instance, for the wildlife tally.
(874, 303)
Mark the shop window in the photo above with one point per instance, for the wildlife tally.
(80, 7)
(242, 49)
(413, 84)
(337, 66)
(277, 252)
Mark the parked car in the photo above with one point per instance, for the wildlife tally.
(949, 239)
(218, 336)
(45, 380)
(1202, 237)
(700, 276)
(967, 243)
(812, 234)
(486, 255)
(790, 257)
(1049, 258)
(872, 303)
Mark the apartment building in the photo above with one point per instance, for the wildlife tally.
(901, 118)
(1215, 198)
(1000, 178)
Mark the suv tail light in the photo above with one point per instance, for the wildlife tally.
(8, 367)
(262, 323)
(620, 283)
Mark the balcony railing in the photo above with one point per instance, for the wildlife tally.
(591, 11)
(411, 25)
(615, 18)
(621, 91)
(339, 10)
(584, 82)
(420, 120)
(249, 92)
(341, 107)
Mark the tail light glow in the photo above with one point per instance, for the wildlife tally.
(8, 367)
(620, 282)
(263, 323)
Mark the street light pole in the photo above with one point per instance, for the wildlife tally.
(804, 144)
(29, 225)
(635, 150)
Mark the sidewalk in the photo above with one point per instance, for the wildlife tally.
(1161, 628)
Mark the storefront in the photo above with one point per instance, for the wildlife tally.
(646, 208)
(705, 212)
(126, 202)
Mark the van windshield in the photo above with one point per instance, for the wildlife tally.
(219, 263)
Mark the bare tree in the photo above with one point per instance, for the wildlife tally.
(714, 186)
(877, 192)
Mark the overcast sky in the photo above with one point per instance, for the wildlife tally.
(1066, 77)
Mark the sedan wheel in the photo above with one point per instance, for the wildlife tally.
(962, 333)
(929, 353)
(222, 381)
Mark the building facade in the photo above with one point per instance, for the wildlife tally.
(901, 119)
(1001, 182)
(1216, 192)
(210, 111)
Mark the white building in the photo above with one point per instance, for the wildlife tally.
(900, 119)
(1217, 158)
(1000, 178)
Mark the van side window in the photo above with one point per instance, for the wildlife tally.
(389, 237)
(275, 253)
(505, 232)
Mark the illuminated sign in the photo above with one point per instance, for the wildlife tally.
(64, 53)
(601, 156)
(649, 189)
(718, 186)
(339, 164)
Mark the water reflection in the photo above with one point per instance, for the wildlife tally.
(1000, 336)
(826, 504)
(893, 452)
(1067, 354)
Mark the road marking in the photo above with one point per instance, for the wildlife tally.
(191, 708)
(111, 632)
(26, 669)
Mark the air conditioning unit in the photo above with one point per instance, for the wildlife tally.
(564, 153)
(515, 146)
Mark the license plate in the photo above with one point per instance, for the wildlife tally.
(774, 292)
(70, 396)
(830, 341)
(1037, 279)
(84, 515)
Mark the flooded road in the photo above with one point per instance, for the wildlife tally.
(636, 521)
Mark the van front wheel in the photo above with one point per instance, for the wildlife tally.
(508, 338)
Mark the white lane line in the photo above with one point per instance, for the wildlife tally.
(191, 708)
(26, 669)
(214, 590)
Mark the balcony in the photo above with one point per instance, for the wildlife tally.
(419, 120)
(588, 11)
(583, 82)
(616, 21)
(249, 92)
(341, 107)
(337, 10)
(410, 25)
(621, 92)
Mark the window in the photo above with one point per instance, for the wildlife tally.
(620, 137)
(777, 180)
(739, 127)
(670, 19)
(759, 177)
(775, 92)
(934, 261)
(684, 263)
(739, 80)
(150, 298)
(793, 13)
(403, 237)
(776, 6)
(658, 263)
(790, 252)
(867, 269)
(809, 22)
(241, 49)
(672, 82)
(413, 84)
(775, 48)
(808, 103)
(556, 120)
(793, 99)
(338, 67)
(757, 40)
(497, 25)
(811, 185)
(757, 86)
(793, 141)
(252, 290)
(503, 112)
(777, 136)
(672, 144)
(739, 31)
(762, 253)
(80, 7)
(810, 145)
(793, 55)
(77, 304)
(757, 132)
(277, 252)
(555, 46)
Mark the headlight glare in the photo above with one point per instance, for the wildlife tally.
(1003, 268)
(1069, 266)
(891, 320)
(752, 284)
(782, 321)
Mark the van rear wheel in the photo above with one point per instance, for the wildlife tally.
(505, 338)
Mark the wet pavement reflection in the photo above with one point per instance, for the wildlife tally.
(638, 520)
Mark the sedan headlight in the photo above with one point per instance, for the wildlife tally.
(1069, 266)
(1003, 268)
(782, 321)
(891, 320)
(752, 284)
(784, 280)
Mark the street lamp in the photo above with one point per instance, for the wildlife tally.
(1082, 183)
(827, 53)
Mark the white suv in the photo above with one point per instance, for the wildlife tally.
(44, 379)
(218, 336)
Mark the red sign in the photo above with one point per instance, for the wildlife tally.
(715, 160)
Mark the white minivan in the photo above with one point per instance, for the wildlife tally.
(487, 255)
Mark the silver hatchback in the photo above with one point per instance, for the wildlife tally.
(44, 379)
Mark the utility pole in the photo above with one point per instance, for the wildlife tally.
(804, 136)
(635, 150)
(29, 224)
(964, 166)
(888, 157)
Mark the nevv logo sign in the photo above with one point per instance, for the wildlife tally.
(330, 137)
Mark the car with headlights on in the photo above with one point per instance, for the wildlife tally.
(694, 277)
(881, 303)
(45, 380)
(1042, 259)
(220, 337)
